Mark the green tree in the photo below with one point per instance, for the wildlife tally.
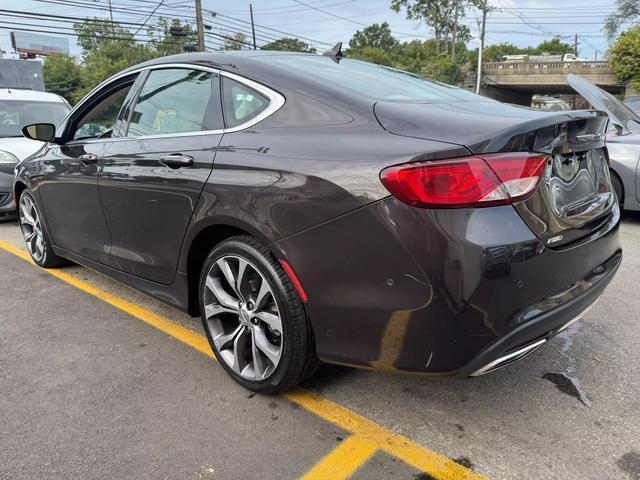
(237, 41)
(106, 50)
(414, 55)
(376, 35)
(371, 54)
(443, 70)
(443, 16)
(624, 57)
(555, 47)
(287, 44)
(626, 11)
(62, 75)
(164, 43)
(96, 32)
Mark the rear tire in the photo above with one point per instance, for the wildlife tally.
(254, 318)
(35, 234)
(618, 188)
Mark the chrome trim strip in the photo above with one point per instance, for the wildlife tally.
(517, 353)
(529, 348)
(276, 101)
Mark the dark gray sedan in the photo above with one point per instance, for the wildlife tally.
(313, 207)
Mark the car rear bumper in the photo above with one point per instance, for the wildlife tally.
(441, 292)
(568, 308)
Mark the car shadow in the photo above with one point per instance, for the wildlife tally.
(631, 216)
(525, 386)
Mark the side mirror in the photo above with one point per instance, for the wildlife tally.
(43, 132)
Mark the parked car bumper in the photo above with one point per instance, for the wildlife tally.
(7, 206)
(442, 292)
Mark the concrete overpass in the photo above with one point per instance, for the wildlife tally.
(516, 82)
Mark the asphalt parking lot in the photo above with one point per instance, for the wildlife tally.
(99, 381)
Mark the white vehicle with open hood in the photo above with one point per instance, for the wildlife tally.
(623, 140)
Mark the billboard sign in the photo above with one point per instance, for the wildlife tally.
(34, 44)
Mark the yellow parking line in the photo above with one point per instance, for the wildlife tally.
(407, 450)
(185, 335)
(343, 460)
(367, 434)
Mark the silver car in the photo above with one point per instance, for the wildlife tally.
(623, 140)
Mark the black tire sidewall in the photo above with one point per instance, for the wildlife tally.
(294, 323)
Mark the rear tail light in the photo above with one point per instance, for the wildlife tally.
(476, 181)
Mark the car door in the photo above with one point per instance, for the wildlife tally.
(151, 180)
(69, 186)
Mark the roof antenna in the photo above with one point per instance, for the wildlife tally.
(335, 52)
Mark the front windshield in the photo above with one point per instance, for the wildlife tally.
(374, 81)
(15, 114)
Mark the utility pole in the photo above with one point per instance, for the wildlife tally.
(113, 30)
(575, 45)
(454, 34)
(200, 26)
(482, 29)
(253, 27)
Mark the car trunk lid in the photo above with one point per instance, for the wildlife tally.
(574, 196)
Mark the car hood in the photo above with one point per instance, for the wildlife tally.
(481, 126)
(19, 146)
(619, 113)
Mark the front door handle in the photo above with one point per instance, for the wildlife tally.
(176, 160)
(88, 158)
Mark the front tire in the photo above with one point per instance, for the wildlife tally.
(254, 318)
(35, 235)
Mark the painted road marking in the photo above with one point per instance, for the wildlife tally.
(343, 460)
(367, 436)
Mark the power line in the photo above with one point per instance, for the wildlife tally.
(149, 17)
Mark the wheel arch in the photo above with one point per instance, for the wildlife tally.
(613, 172)
(199, 243)
(18, 187)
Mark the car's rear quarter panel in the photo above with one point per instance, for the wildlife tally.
(400, 288)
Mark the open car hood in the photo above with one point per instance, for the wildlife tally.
(618, 112)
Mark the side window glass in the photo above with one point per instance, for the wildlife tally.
(100, 120)
(241, 103)
(177, 100)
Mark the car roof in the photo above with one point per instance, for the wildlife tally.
(29, 95)
(232, 60)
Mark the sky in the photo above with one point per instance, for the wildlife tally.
(325, 22)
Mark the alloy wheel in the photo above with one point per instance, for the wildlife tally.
(243, 318)
(31, 228)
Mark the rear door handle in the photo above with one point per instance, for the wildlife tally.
(176, 160)
(88, 158)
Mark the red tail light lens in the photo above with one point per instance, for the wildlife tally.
(477, 181)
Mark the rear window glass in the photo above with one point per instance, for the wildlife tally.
(241, 103)
(374, 81)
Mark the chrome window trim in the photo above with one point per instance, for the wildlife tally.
(276, 101)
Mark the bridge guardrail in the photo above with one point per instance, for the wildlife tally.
(544, 67)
